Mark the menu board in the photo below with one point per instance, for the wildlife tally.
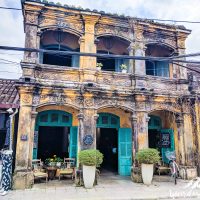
(165, 140)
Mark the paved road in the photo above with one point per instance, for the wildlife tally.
(109, 188)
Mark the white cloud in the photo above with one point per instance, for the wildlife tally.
(11, 23)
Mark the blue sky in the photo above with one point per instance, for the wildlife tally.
(12, 34)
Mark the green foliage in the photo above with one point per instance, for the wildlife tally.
(123, 66)
(91, 157)
(99, 65)
(148, 156)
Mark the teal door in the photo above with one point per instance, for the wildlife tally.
(125, 151)
(167, 136)
(73, 142)
(55, 118)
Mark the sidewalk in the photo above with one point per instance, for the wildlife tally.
(109, 188)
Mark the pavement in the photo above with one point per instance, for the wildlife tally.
(111, 187)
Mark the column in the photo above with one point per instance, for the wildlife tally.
(80, 130)
(32, 131)
(197, 114)
(181, 150)
(31, 27)
(87, 43)
(23, 177)
(188, 137)
(181, 37)
(131, 61)
(135, 135)
(89, 124)
(139, 50)
(142, 124)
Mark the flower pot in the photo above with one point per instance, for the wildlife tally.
(52, 164)
(58, 164)
(98, 68)
(124, 70)
(147, 173)
(88, 176)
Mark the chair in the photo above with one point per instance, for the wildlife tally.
(38, 171)
(68, 168)
(161, 167)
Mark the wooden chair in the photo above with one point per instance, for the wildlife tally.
(38, 171)
(68, 168)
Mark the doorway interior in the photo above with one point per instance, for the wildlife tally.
(107, 143)
(53, 141)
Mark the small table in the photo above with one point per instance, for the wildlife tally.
(51, 172)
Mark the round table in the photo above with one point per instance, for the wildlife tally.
(51, 172)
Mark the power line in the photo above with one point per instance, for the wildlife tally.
(147, 58)
(187, 67)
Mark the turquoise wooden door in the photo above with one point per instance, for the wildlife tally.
(167, 133)
(73, 142)
(125, 151)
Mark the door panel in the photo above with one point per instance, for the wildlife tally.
(73, 142)
(169, 132)
(125, 151)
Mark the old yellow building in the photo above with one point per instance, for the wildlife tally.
(66, 104)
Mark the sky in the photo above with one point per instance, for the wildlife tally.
(12, 32)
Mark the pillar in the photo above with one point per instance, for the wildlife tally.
(142, 126)
(23, 177)
(197, 114)
(87, 42)
(181, 148)
(134, 135)
(188, 139)
(131, 61)
(182, 72)
(139, 50)
(89, 126)
(31, 38)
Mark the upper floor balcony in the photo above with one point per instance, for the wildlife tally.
(71, 70)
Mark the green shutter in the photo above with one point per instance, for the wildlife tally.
(73, 142)
(125, 151)
(172, 148)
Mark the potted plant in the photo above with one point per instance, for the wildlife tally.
(58, 161)
(90, 159)
(99, 66)
(123, 68)
(147, 158)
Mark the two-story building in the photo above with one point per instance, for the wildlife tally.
(66, 104)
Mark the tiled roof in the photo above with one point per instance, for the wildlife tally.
(9, 97)
(79, 8)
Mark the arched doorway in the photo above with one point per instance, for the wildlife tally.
(54, 135)
(159, 137)
(115, 143)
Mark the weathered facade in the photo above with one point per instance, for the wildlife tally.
(152, 97)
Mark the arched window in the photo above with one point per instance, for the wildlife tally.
(59, 41)
(158, 68)
(112, 45)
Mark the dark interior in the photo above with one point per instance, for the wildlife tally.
(108, 64)
(53, 141)
(108, 144)
(55, 59)
(154, 139)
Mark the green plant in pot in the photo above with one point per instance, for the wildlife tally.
(90, 159)
(99, 66)
(123, 68)
(147, 158)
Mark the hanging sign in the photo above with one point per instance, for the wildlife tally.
(88, 139)
(165, 140)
